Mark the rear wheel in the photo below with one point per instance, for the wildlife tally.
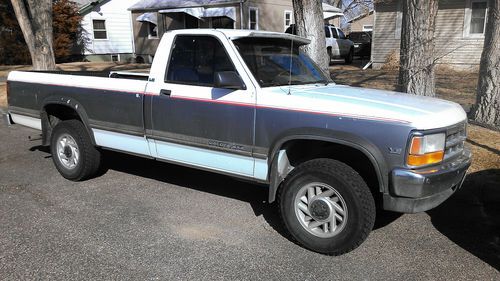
(350, 57)
(327, 207)
(72, 151)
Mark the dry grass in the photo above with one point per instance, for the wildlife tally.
(392, 62)
(457, 86)
(485, 145)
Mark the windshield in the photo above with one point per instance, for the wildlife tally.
(275, 62)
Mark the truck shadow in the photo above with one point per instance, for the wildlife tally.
(471, 217)
(254, 194)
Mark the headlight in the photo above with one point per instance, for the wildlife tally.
(425, 150)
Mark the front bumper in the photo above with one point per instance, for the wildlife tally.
(414, 191)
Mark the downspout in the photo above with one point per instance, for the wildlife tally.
(241, 13)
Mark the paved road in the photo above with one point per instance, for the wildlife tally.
(145, 220)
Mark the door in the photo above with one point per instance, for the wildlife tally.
(343, 43)
(196, 123)
(331, 41)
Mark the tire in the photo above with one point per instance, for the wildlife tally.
(350, 57)
(330, 54)
(355, 205)
(73, 153)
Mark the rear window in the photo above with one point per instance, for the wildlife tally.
(360, 37)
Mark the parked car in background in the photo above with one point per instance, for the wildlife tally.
(338, 45)
(362, 43)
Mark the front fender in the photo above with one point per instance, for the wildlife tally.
(278, 158)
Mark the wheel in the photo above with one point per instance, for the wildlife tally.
(326, 206)
(72, 151)
(350, 57)
(330, 54)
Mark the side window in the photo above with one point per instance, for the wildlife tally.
(327, 32)
(195, 60)
(341, 34)
(334, 32)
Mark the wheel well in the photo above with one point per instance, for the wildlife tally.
(52, 115)
(299, 151)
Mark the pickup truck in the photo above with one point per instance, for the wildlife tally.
(251, 105)
(338, 46)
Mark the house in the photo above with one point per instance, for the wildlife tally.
(108, 28)
(459, 34)
(362, 22)
(151, 18)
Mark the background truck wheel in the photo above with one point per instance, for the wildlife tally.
(330, 54)
(350, 57)
(326, 206)
(72, 151)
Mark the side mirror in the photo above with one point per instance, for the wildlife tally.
(228, 80)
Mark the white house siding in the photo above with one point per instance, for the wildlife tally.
(453, 47)
(118, 27)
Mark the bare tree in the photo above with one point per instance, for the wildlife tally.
(487, 108)
(310, 24)
(416, 73)
(35, 20)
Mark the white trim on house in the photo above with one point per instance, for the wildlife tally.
(468, 19)
(368, 27)
(287, 12)
(399, 21)
(250, 9)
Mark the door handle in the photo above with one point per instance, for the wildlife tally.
(165, 92)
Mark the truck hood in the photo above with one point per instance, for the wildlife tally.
(423, 113)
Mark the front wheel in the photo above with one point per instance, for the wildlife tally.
(327, 207)
(72, 151)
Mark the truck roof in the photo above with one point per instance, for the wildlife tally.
(243, 33)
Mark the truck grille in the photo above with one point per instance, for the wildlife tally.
(455, 140)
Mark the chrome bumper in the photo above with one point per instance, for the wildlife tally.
(414, 191)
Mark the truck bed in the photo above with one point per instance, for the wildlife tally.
(108, 103)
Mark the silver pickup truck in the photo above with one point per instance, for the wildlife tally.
(250, 104)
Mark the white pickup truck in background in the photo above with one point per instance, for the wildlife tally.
(338, 46)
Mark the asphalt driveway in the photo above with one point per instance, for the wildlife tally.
(145, 220)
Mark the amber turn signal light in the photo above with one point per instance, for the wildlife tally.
(425, 159)
(426, 150)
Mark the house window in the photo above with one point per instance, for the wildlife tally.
(288, 19)
(152, 30)
(368, 27)
(222, 22)
(115, 58)
(475, 18)
(99, 29)
(253, 18)
(478, 17)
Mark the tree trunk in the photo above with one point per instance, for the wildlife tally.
(35, 20)
(310, 24)
(487, 108)
(416, 72)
